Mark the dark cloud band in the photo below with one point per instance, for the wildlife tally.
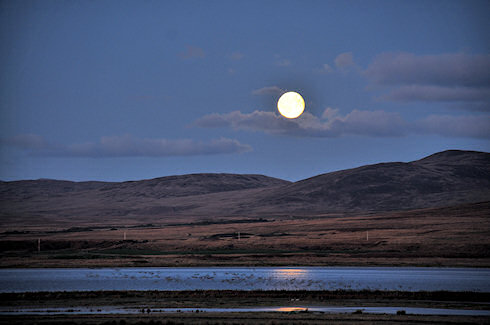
(127, 146)
(367, 123)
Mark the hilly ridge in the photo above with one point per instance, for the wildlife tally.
(446, 178)
(169, 186)
(443, 179)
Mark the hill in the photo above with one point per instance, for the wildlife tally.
(348, 217)
(58, 201)
(443, 179)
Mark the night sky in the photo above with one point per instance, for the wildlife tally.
(127, 90)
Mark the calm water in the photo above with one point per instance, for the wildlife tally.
(333, 309)
(246, 278)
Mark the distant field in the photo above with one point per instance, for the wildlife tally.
(453, 236)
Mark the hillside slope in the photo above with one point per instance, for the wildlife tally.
(49, 200)
(443, 179)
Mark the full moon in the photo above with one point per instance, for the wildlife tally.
(291, 105)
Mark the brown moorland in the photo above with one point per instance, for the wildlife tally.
(457, 236)
(432, 211)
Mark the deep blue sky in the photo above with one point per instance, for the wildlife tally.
(126, 90)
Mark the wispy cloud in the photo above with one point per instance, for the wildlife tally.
(342, 63)
(433, 78)
(325, 68)
(344, 60)
(330, 112)
(26, 141)
(438, 94)
(270, 90)
(192, 52)
(455, 126)
(374, 123)
(126, 146)
(236, 56)
(358, 122)
(441, 70)
(283, 63)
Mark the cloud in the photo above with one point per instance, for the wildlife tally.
(366, 123)
(344, 60)
(271, 90)
(283, 63)
(472, 106)
(236, 56)
(461, 126)
(458, 77)
(438, 94)
(329, 113)
(127, 146)
(26, 141)
(441, 70)
(325, 68)
(192, 52)
(373, 123)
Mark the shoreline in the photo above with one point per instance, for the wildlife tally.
(448, 266)
(57, 260)
(242, 298)
(222, 299)
(265, 318)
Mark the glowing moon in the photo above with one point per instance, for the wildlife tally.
(291, 105)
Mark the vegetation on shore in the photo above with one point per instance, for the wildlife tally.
(241, 298)
(148, 300)
(265, 318)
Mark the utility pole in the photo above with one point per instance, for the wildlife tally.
(238, 235)
(38, 245)
(367, 235)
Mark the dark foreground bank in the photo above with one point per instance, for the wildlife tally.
(241, 319)
(240, 298)
(150, 301)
